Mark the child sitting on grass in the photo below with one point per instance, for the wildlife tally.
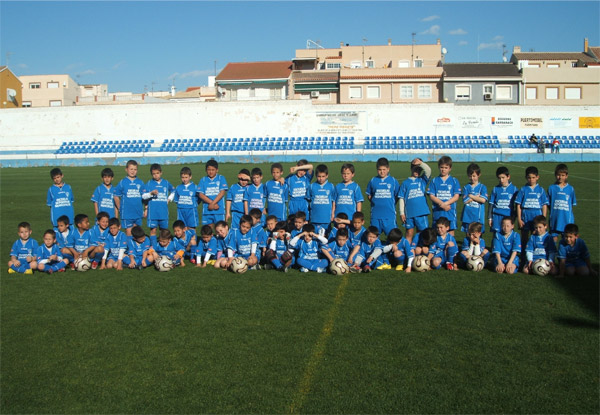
(22, 254)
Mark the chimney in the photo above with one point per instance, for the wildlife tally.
(438, 42)
(586, 45)
(389, 42)
(516, 49)
(341, 44)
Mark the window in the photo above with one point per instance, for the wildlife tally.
(324, 96)
(355, 64)
(531, 93)
(573, 64)
(370, 64)
(52, 85)
(418, 63)
(334, 65)
(504, 92)
(373, 92)
(553, 65)
(406, 91)
(424, 91)
(463, 92)
(572, 93)
(355, 92)
(488, 92)
(35, 85)
(403, 64)
(57, 103)
(552, 92)
(26, 104)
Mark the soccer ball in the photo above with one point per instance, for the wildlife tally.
(83, 264)
(338, 267)
(475, 263)
(238, 265)
(541, 267)
(164, 264)
(421, 263)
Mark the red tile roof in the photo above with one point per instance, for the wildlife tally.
(552, 56)
(256, 70)
(315, 76)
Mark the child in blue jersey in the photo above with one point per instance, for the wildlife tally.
(348, 196)
(260, 235)
(444, 192)
(339, 222)
(339, 247)
(321, 196)
(256, 193)
(212, 190)
(502, 200)
(446, 247)
(270, 224)
(165, 245)
(357, 229)
(222, 236)
(63, 233)
(473, 245)
(48, 256)
(186, 198)
(79, 241)
(475, 196)
(561, 199)
(140, 253)
(59, 198)
(23, 252)
(278, 247)
(367, 255)
(414, 211)
(277, 192)
(128, 198)
(531, 201)
(98, 237)
(187, 239)
(383, 192)
(399, 251)
(157, 194)
(424, 242)
(104, 195)
(242, 243)
(298, 182)
(540, 246)
(299, 222)
(234, 205)
(573, 254)
(308, 245)
(115, 246)
(506, 248)
(206, 252)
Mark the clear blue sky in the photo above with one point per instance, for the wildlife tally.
(130, 45)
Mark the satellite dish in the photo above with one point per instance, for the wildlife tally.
(444, 51)
(504, 59)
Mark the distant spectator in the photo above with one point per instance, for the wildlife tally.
(533, 140)
(555, 145)
(541, 145)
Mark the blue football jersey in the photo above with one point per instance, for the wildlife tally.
(444, 190)
(43, 253)
(531, 201)
(308, 250)
(505, 245)
(277, 195)
(541, 246)
(211, 189)
(502, 200)
(79, 241)
(98, 236)
(62, 238)
(60, 199)
(337, 251)
(561, 201)
(573, 254)
(240, 243)
(298, 188)
(186, 196)
(347, 195)
(115, 243)
(137, 249)
(383, 193)
(474, 211)
(321, 197)
(255, 196)
(104, 196)
(236, 196)
(412, 191)
(130, 192)
(158, 204)
(21, 250)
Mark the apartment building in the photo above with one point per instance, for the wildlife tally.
(254, 81)
(10, 89)
(49, 90)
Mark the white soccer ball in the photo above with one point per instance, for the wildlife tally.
(338, 267)
(475, 263)
(541, 267)
(83, 264)
(421, 263)
(164, 264)
(239, 265)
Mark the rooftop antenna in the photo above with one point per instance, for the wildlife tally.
(504, 51)
(316, 45)
(412, 51)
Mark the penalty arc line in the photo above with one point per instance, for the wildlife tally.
(318, 350)
(548, 171)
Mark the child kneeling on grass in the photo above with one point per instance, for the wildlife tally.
(22, 254)
(308, 247)
(367, 255)
(140, 253)
(573, 254)
(49, 257)
(506, 248)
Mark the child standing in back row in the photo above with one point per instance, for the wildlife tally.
(475, 196)
(186, 199)
(383, 192)
(157, 194)
(60, 198)
(414, 210)
(561, 199)
(531, 201)
(321, 196)
(444, 192)
(501, 200)
(104, 195)
(349, 198)
(234, 205)
(128, 198)
(212, 190)
(298, 182)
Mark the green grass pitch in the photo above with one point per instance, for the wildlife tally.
(208, 341)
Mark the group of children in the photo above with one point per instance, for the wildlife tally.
(295, 222)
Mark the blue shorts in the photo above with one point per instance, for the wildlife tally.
(158, 223)
(235, 219)
(528, 226)
(138, 260)
(419, 222)
(494, 262)
(130, 223)
(298, 205)
(450, 217)
(575, 264)
(189, 217)
(210, 218)
(384, 225)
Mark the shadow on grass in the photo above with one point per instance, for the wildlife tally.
(584, 289)
(578, 323)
